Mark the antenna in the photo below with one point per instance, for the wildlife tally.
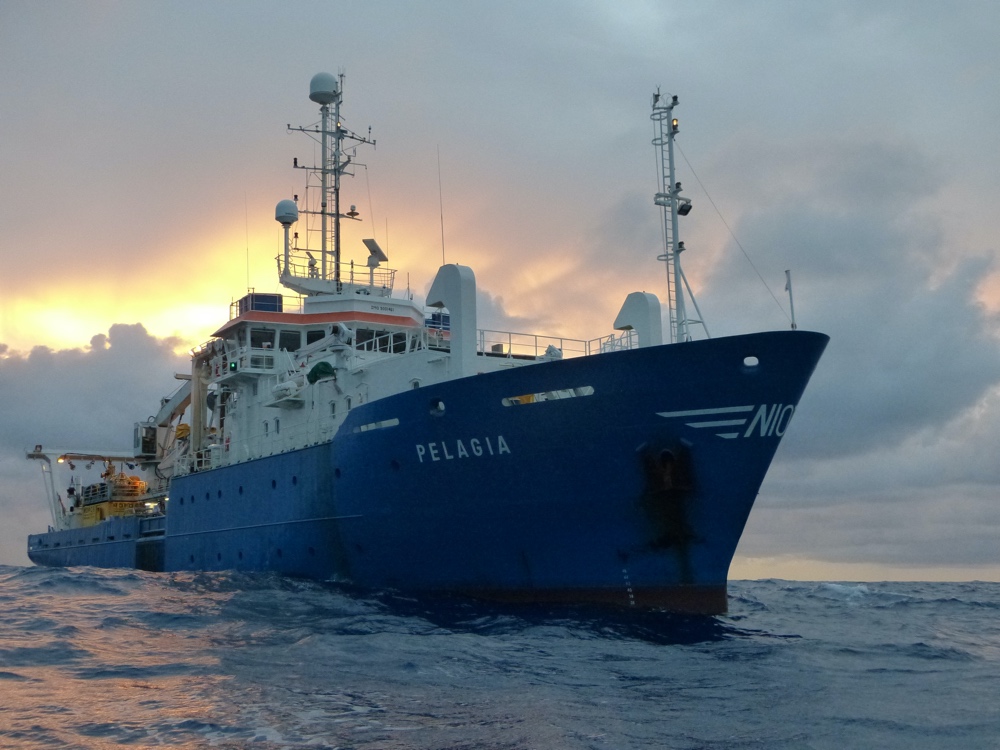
(246, 224)
(375, 257)
(286, 213)
(441, 204)
(788, 288)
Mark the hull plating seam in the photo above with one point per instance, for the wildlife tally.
(262, 525)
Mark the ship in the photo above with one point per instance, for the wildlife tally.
(346, 432)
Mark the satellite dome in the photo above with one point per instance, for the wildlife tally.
(323, 88)
(286, 212)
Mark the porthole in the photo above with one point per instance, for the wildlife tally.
(191, 558)
(218, 556)
(241, 554)
(295, 480)
(279, 551)
(208, 495)
(394, 465)
(241, 489)
(219, 494)
(274, 483)
(336, 473)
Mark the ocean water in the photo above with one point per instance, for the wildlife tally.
(108, 659)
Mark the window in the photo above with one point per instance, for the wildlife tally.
(537, 398)
(289, 340)
(261, 338)
(363, 337)
(313, 336)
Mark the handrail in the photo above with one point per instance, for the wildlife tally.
(531, 345)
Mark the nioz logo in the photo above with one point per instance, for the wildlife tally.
(768, 420)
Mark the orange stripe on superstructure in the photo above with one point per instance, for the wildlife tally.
(306, 319)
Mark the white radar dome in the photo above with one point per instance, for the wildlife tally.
(323, 88)
(286, 212)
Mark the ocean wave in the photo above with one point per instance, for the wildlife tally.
(108, 659)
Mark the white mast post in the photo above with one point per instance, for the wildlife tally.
(682, 331)
(337, 137)
(324, 124)
(791, 303)
(669, 199)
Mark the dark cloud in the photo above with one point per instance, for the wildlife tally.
(93, 394)
(78, 399)
(910, 348)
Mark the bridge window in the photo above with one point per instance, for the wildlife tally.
(261, 338)
(289, 340)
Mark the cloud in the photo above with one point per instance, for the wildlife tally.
(80, 399)
(94, 393)
(888, 460)
(911, 347)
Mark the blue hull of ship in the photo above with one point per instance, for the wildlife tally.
(634, 492)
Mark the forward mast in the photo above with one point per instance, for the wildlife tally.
(666, 127)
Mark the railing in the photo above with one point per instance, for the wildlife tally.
(260, 301)
(533, 346)
(524, 346)
(302, 265)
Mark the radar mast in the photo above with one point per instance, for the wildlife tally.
(337, 151)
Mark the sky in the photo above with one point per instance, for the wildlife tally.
(143, 146)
